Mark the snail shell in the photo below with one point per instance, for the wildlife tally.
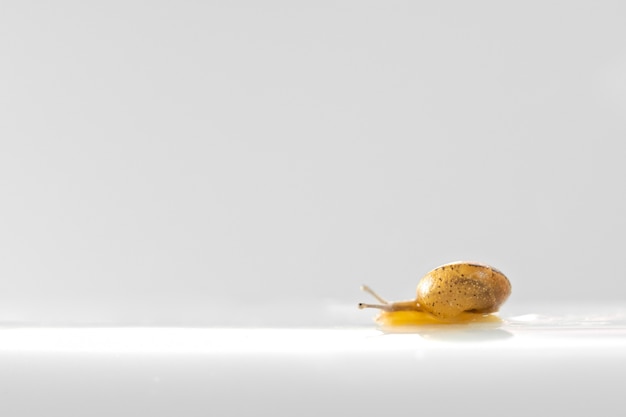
(451, 289)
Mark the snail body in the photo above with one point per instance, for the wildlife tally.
(452, 292)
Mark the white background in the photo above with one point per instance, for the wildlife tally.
(228, 162)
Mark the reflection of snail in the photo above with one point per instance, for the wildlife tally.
(455, 292)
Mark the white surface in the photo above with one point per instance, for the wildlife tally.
(531, 365)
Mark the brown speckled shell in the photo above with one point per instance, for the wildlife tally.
(451, 289)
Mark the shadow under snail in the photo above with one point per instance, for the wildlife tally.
(452, 293)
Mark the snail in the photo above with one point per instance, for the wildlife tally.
(454, 292)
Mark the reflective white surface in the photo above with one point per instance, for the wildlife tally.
(539, 364)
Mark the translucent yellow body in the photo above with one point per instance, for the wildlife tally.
(459, 292)
(419, 318)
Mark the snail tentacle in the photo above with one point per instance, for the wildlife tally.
(373, 294)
